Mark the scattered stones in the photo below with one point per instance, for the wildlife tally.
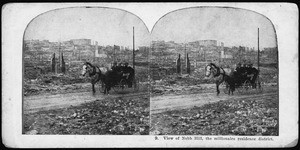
(32, 132)
(121, 116)
(231, 117)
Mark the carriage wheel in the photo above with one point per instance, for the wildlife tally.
(239, 88)
(116, 88)
(246, 86)
(123, 84)
(120, 86)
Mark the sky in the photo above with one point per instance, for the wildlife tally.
(234, 27)
(104, 25)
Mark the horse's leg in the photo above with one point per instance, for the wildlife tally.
(104, 90)
(233, 88)
(108, 89)
(229, 89)
(217, 85)
(105, 87)
(100, 87)
(93, 86)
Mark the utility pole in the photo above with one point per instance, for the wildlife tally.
(185, 58)
(258, 58)
(220, 57)
(258, 49)
(133, 53)
(133, 61)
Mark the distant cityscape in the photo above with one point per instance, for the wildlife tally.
(203, 51)
(160, 53)
(40, 52)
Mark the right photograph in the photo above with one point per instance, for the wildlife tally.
(214, 71)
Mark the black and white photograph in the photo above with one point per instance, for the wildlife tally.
(85, 72)
(110, 75)
(214, 72)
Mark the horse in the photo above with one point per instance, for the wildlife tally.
(220, 75)
(95, 73)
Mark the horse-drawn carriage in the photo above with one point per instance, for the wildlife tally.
(126, 79)
(244, 80)
(119, 78)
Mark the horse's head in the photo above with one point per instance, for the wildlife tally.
(208, 70)
(211, 69)
(86, 68)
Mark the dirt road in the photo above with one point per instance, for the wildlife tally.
(158, 103)
(164, 103)
(48, 101)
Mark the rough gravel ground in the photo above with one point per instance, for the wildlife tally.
(208, 114)
(77, 112)
(116, 115)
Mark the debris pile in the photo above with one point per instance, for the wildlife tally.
(232, 117)
(179, 84)
(53, 83)
(121, 116)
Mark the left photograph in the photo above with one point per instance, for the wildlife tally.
(85, 71)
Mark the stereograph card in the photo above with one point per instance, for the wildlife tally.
(149, 75)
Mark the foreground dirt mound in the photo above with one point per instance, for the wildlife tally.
(54, 83)
(179, 84)
(230, 117)
(116, 116)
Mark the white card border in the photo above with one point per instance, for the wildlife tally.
(16, 16)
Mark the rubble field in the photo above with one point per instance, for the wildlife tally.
(70, 82)
(240, 116)
(178, 110)
(54, 84)
(112, 116)
(197, 83)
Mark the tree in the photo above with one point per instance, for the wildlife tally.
(63, 65)
(188, 64)
(53, 63)
(178, 64)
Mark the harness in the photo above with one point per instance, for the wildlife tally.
(218, 72)
(95, 70)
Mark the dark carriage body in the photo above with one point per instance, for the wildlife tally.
(120, 77)
(242, 79)
(244, 75)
